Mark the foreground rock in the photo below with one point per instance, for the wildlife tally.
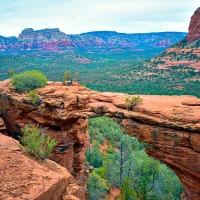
(24, 178)
(2, 126)
(170, 124)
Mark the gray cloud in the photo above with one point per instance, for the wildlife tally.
(77, 16)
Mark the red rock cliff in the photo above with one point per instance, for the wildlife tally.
(23, 177)
(194, 28)
(171, 124)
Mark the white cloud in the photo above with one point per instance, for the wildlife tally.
(77, 16)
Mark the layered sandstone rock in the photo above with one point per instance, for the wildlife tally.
(194, 28)
(24, 178)
(58, 116)
(170, 124)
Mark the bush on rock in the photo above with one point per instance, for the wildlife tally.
(36, 143)
(29, 80)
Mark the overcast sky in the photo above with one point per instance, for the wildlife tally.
(78, 16)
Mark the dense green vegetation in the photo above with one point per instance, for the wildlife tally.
(147, 78)
(36, 143)
(55, 66)
(116, 72)
(29, 80)
(125, 165)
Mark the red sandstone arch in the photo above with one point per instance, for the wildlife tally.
(171, 124)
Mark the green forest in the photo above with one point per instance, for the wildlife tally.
(129, 73)
(124, 164)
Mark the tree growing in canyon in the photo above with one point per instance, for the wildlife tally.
(127, 166)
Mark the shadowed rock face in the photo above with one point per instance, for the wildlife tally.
(194, 28)
(170, 124)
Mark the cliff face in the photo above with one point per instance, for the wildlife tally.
(22, 177)
(69, 129)
(194, 28)
(170, 124)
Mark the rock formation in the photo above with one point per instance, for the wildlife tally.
(194, 28)
(29, 35)
(22, 177)
(2, 126)
(47, 41)
(185, 53)
(170, 124)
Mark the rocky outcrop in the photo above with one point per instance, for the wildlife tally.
(22, 177)
(28, 35)
(170, 124)
(194, 28)
(184, 54)
(69, 129)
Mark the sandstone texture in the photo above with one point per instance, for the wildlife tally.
(22, 177)
(2, 126)
(194, 28)
(170, 124)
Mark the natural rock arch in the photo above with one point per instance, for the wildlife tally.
(171, 124)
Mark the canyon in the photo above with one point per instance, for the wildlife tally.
(169, 124)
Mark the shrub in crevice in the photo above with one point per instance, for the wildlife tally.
(34, 97)
(36, 143)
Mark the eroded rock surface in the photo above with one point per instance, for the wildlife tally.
(170, 124)
(24, 178)
(2, 126)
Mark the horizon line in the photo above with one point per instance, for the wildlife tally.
(94, 32)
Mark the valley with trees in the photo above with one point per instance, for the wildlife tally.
(120, 161)
(165, 63)
(119, 74)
